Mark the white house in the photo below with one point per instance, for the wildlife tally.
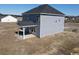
(44, 20)
(9, 19)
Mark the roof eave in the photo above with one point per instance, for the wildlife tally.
(45, 13)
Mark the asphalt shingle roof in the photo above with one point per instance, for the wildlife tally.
(45, 8)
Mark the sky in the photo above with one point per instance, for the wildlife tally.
(18, 9)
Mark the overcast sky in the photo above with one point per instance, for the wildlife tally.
(18, 9)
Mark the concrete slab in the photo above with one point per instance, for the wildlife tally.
(26, 36)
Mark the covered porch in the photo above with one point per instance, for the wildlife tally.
(27, 31)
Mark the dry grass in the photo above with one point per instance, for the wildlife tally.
(62, 43)
(72, 24)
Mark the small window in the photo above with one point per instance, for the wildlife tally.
(56, 21)
(59, 20)
(33, 29)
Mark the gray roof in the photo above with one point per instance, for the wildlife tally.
(45, 8)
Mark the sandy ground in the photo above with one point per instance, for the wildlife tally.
(71, 25)
(20, 37)
(58, 44)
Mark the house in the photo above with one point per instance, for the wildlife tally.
(10, 18)
(42, 21)
(72, 19)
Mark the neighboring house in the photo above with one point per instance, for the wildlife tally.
(72, 19)
(10, 18)
(47, 19)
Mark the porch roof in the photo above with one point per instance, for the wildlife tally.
(28, 26)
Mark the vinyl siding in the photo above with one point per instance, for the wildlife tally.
(51, 25)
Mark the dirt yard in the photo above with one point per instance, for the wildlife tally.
(61, 43)
(72, 27)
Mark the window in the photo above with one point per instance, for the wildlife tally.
(32, 29)
(59, 20)
(55, 21)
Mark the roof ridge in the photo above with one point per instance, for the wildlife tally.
(44, 8)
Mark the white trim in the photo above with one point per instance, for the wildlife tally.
(23, 33)
(28, 26)
(51, 14)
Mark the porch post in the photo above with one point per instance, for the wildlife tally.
(18, 34)
(23, 33)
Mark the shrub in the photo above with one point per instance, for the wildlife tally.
(74, 30)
